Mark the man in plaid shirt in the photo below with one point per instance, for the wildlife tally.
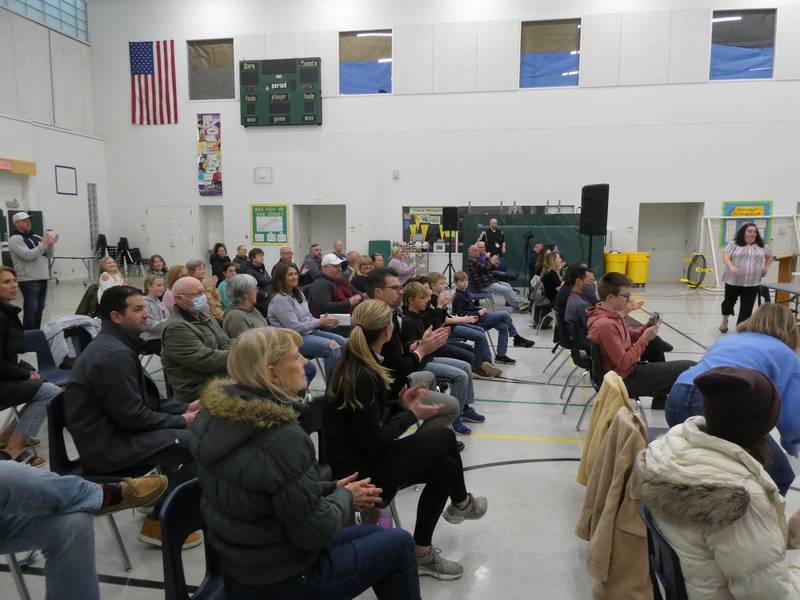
(482, 277)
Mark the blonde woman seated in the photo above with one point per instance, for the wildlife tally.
(109, 276)
(363, 267)
(242, 291)
(278, 530)
(288, 308)
(173, 274)
(359, 439)
(706, 488)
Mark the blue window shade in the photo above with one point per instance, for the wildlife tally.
(736, 62)
(365, 77)
(547, 69)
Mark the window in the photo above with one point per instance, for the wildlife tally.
(550, 53)
(211, 73)
(66, 16)
(742, 44)
(365, 62)
(94, 221)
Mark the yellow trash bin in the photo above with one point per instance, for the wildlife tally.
(638, 262)
(616, 262)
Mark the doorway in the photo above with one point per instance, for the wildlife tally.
(670, 232)
(170, 233)
(319, 224)
(211, 229)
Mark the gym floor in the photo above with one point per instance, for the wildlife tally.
(524, 459)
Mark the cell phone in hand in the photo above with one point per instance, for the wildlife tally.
(655, 318)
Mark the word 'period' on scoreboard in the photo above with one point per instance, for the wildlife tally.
(278, 92)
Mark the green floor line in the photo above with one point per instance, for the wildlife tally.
(572, 405)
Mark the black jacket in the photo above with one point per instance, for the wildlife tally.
(263, 280)
(16, 386)
(268, 514)
(550, 282)
(113, 409)
(398, 360)
(412, 329)
(218, 266)
(355, 438)
(463, 304)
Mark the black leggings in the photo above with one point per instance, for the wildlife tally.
(748, 297)
(430, 456)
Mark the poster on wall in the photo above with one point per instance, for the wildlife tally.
(209, 154)
(755, 211)
(269, 224)
(422, 224)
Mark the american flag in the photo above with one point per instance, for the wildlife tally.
(153, 98)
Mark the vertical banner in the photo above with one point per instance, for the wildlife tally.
(269, 224)
(209, 154)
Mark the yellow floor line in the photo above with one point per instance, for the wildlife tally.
(524, 438)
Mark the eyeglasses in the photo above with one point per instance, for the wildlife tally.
(626, 296)
(396, 288)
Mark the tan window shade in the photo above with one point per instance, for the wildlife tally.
(365, 46)
(211, 69)
(551, 36)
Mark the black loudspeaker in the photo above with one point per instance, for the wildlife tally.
(450, 218)
(594, 209)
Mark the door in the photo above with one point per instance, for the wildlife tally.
(212, 229)
(319, 224)
(170, 233)
(669, 231)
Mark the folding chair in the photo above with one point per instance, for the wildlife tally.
(16, 575)
(665, 566)
(35, 341)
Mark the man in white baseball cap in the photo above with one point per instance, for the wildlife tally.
(331, 293)
(30, 254)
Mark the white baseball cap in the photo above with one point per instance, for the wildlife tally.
(20, 216)
(331, 259)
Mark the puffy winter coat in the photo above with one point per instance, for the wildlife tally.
(268, 514)
(721, 512)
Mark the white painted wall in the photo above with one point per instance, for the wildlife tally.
(638, 121)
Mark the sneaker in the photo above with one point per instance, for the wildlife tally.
(433, 564)
(150, 533)
(132, 493)
(491, 369)
(521, 342)
(504, 359)
(460, 428)
(473, 511)
(470, 416)
(523, 307)
(481, 373)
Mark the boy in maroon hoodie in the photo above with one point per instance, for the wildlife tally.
(622, 346)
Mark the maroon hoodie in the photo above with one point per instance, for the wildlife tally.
(620, 345)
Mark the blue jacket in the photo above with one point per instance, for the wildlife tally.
(770, 356)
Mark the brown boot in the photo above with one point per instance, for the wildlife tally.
(132, 493)
(150, 533)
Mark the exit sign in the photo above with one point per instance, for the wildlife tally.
(5, 164)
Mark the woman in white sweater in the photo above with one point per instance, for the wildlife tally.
(288, 308)
(109, 276)
(705, 485)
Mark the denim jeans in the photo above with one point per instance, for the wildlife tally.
(684, 401)
(476, 335)
(34, 295)
(502, 322)
(33, 414)
(42, 510)
(512, 298)
(318, 345)
(357, 558)
(458, 375)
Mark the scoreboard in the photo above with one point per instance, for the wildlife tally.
(280, 92)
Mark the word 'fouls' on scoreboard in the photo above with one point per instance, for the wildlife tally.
(280, 92)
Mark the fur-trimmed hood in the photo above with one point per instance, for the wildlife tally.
(694, 479)
(235, 414)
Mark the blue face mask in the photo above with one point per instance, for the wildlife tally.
(200, 303)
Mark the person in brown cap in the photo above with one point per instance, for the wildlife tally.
(705, 486)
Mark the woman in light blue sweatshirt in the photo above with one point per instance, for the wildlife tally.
(767, 342)
(288, 308)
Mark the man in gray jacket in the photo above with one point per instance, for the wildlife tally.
(30, 254)
(194, 349)
(312, 262)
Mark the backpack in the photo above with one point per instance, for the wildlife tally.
(536, 295)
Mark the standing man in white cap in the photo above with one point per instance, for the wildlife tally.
(30, 254)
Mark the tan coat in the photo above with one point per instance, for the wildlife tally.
(617, 553)
(612, 396)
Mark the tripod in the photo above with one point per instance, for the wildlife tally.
(449, 270)
(529, 235)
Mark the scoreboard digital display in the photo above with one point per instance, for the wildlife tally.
(280, 92)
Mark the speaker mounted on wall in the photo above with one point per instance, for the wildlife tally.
(594, 209)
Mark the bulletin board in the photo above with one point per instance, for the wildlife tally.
(755, 211)
(269, 224)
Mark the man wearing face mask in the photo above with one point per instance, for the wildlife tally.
(194, 349)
